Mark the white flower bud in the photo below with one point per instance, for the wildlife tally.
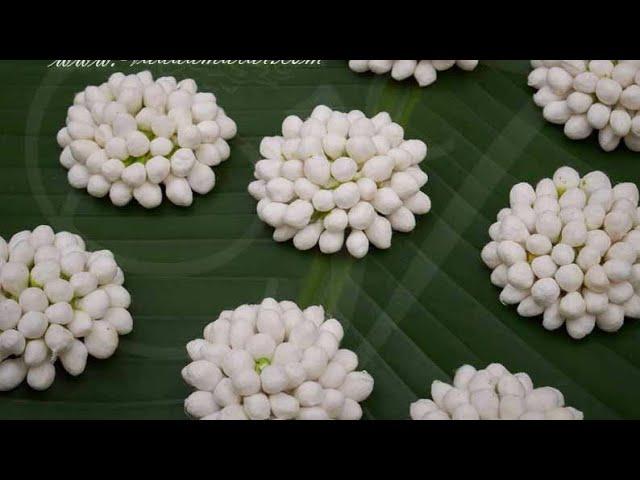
(66, 158)
(538, 77)
(298, 214)
(323, 200)
(225, 395)
(608, 91)
(569, 277)
(178, 191)
(598, 115)
(81, 150)
(596, 279)
(292, 170)
(544, 96)
(257, 189)
(74, 358)
(425, 74)
(194, 349)
(585, 82)
(78, 176)
(182, 162)
(401, 157)
(60, 313)
(12, 342)
(120, 319)
(545, 291)
(552, 320)
(620, 293)
(574, 234)
(632, 307)
(291, 126)
(538, 244)
(200, 404)
(95, 162)
(612, 319)
(357, 386)
(283, 406)
(511, 407)
(333, 145)
(201, 178)
(22, 252)
(246, 382)
(41, 377)
(379, 233)
(557, 112)
(386, 201)
(489, 255)
(336, 221)
(223, 149)
(565, 178)
(270, 323)
(510, 252)
(421, 408)
(103, 268)
(33, 300)
(417, 149)
(512, 228)
(617, 270)
(367, 188)
(12, 374)
(134, 175)
(10, 313)
(596, 303)
(331, 242)
(563, 254)
(529, 308)
(157, 169)
(308, 237)
(58, 338)
(511, 295)
(120, 194)
(33, 325)
(520, 275)
(274, 379)
(202, 375)
(499, 276)
(346, 195)
(579, 102)
(455, 398)
(118, 296)
(559, 80)
(46, 253)
(486, 403)
(310, 394)
(572, 306)
(317, 169)
(261, 346)
(35, 352)
(378, 168)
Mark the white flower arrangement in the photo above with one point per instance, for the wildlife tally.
(588, 95)
(57, 302)
(492, 394)
(132, 134)
(340, 179)
(568, 250)
(274, 361)
(425, 72)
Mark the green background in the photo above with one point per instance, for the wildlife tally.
(413, 313)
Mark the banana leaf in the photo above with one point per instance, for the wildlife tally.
(413, 313)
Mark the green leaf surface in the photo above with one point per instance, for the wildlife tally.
(413, 313)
